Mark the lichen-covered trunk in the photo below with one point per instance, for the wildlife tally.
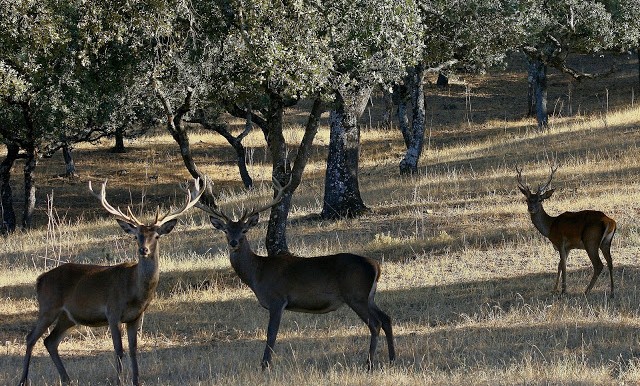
(401, 98)
(342, 191)
(538, 72)
(276, 239)
(6, 194)
(531, 89)
(29, 187)
(409, 164)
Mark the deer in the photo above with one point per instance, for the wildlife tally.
(96, 295)
(315, 285)
(587, 229)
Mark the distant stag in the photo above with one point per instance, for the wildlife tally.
(95, 295)
(588, 229)
(313, 285)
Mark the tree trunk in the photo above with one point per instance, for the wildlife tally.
(387, 116)
(539, 73)
(409, 164)
(118, 147)
(29, 188)
(342, 192)
(531, 90)
(180, 135)
(276, 240)
(402, 96)
(8, 213)
(70, 166)
(235, 142)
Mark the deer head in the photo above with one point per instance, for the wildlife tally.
(147, 235)
(534, 200)
(236, 229)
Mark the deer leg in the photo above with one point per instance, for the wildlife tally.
(562, 270)
(275, 315)
(132, 336)
(388, 332)
(43, 322)
(52, 342)
(597, 266)
(606, 251)
(116, 337)
(371, 319)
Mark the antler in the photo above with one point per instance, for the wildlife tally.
(219, 214)
(213, 211)
(543, 188)
(520, 183)
(273, 202)
(191, 200)
(102, 196)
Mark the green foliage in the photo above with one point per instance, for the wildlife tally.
(556, 27)
(476, 33)
(372, 41)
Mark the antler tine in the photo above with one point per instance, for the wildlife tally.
(102, 196)
(206, 208)
(273, 202)
(543, 188)
(519, 177)
(191, 200)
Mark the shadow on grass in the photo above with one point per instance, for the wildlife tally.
(444, 327)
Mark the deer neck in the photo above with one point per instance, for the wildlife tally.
(147, 275)
(245, 263)
(542, 221)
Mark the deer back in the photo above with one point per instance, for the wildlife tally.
(575, 228)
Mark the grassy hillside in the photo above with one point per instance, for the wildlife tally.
(466, 278)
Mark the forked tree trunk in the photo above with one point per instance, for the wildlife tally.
(235, 142)
(179, 133)
(276, 240)
(8, 213)
(342, 191)
(409, 164)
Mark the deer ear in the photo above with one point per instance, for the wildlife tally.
(128, 227)
(217, 223)
(167, 227)
(547, 194)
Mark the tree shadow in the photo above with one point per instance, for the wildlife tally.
(443, 327)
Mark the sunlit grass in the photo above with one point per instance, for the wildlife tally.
(466, 278)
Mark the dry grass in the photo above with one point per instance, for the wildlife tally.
(466, 278)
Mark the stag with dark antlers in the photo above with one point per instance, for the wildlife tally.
(317, 285)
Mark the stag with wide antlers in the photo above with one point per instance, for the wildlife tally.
(313, 285)
(94, 295)
(587, 229)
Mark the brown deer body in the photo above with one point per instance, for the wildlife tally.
(94, 295)
(588, 229)
(313, 285)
